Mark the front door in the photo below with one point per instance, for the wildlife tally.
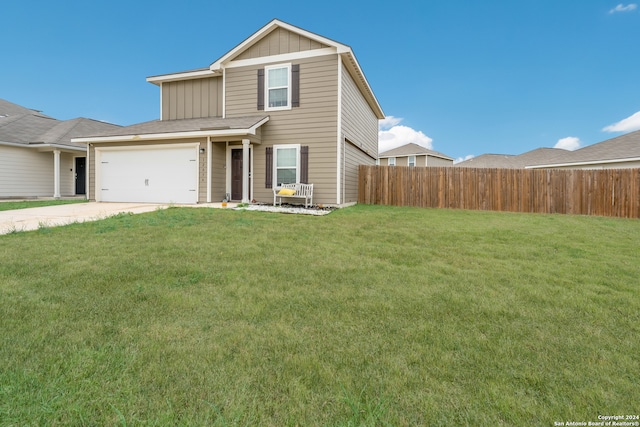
(81, 175)
(236, 174)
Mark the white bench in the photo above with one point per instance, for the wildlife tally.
(302, 191)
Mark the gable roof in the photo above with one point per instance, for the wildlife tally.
(227, 60)
(412, 150)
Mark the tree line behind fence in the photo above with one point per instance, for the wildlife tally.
(604, 192)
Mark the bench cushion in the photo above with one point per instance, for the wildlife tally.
(286, 192)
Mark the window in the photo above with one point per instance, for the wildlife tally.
(286, 164)
(277, 87)
(412, 160)
(391, 161)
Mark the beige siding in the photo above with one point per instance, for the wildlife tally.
(402, 161)
(421, 161)
(437, 161)
(189, 99)
(353, 158)
(278, 42)
(67, 174)
(313, 124)
(359, 123)
(218, 171)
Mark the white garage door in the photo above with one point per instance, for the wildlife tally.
(159, 175)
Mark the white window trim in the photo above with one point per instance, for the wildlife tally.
(275, 162)
(391, 161)
(409, 161)
(266, 87)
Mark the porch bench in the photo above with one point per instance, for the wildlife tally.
(302, 191)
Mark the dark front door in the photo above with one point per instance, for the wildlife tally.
(81, 175)
(236, 174)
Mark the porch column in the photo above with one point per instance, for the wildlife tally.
(245, 171)
(56, 174)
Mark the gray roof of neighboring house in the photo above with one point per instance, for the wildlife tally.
(622, 147)
(19, 125)
(626, 146)
(182, 125)
(412, 150)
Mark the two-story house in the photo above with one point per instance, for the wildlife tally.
(285, 105)
(413, 155)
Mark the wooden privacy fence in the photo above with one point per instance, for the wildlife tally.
(604, 192)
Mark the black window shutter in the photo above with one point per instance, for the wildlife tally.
(295, 85)
(268, 175)
(304, 164)
(261, 89)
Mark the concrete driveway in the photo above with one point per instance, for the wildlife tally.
(51, 216)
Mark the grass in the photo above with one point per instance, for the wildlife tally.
(368, 316)
(25, 204)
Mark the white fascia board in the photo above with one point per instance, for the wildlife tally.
(156, 80)
(220, 63)
(285, 57)
(38, 146)
(593, 162)
(364, 85)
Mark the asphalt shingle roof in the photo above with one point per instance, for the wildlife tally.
(20, 125)
(622, 147)
(182, 125)
(412, 150)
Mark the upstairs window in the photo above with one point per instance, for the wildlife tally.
(391, 161)
(412, 160)
(279, 87)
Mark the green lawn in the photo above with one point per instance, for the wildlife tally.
(368, 316)
(24, 204)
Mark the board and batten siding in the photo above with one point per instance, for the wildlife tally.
(189, 99)
(25, 172)
(312, 124)
(279, 41)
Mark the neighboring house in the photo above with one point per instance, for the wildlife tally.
(37, 157)
(620, 152)
(413, 155)
(515, 162)
(285, 105)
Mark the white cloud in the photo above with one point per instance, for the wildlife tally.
(623, 8)
(629, 124)
(388, 122)
(393, 135)
(462, 159)
(569, 143)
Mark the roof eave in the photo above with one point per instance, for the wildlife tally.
(584, 163)
(202, 133)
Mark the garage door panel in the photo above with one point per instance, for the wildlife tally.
(163, 175)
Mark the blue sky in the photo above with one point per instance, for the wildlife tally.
(462, 77)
